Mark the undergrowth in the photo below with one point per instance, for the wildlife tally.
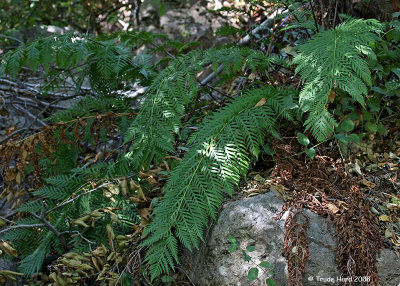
(110, 167)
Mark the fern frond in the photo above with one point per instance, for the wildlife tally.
(152, 132)
(213, 165)
(60, 187)
(320, 123)
(91, 105)
(159, 118)
(33, 262)
(335, 59)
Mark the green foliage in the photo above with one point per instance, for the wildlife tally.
(336, 62)
(303, 17)
(217, 157)
(59, 189)
(335, 59)
(78, 14)
(91, 105)
(254, 271)
(152, 132)
(101, 60)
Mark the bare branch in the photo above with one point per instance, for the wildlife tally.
(21, 226)
(51, 228)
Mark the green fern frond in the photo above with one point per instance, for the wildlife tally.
(106, 63)
(91, 105)
(15, 62)
(30, 206)
(159, 118)
(152, 132)
(33, 55)
(218, 156)
(33, 263)
(320, 123)
(335, 59)
(235, 59)
(60, 187)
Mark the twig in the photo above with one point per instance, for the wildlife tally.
(80, 235)
(51, 228)
(265, 24)
(215, 89)
(16, 132)
(322, 13)
(202, 83)
(334, 17)
(12, 38)
(35, 118)
(30, 124)
(314, 17)
(110, 12)
(21, 226)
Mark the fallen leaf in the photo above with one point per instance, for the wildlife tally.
(385, 218)
(258, 178)
(332, 96)
(261, 102)
(333, 208)
(18, 178)
(368, 183)
(357, 168)
(151, 180)
(388, 233)
(145, 213)
(395, 241)
(391, 206)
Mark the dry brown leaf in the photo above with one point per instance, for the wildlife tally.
(98, 156)
(261, 102)
(388, 233)
(18, 178)
(110, 235)
(395, 241)
(135, 199)
(394, 178)
(24, 154)
(368, 183)
(145, 213)
(332, 96)
(8, 249)
(385, 218)
(332, 208)
(124, 187)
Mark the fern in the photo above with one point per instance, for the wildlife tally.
(152, 132)
(105, 63)
(58, 190)
(91, 105)
(335, 59)
(302, 17)
(217, 157)
(219, 153)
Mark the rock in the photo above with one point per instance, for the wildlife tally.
(193, 24)
(388, 268)
(9, 265)
(250, 221)
(5, 208)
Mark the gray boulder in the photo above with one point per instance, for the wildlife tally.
(250, 221)
(191, 24)
(9, 265)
